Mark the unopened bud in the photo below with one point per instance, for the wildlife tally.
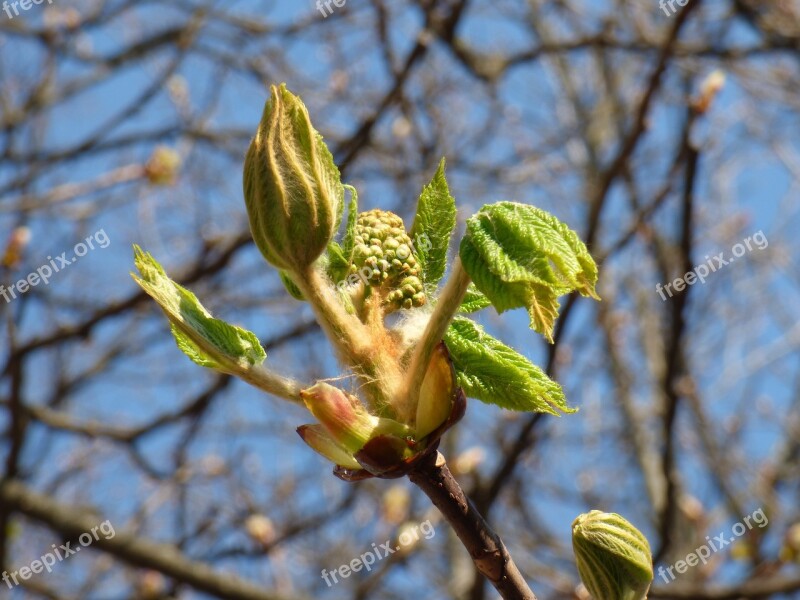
(321, 442)
(163, 165)
(345, 418)
(791, 544)
(19, 239)
(261, 529)
(709, 89)
(347, 421)
(407, 537)
(152, 585)
(793, 537)
(396, 502)
(292, 188)
(469, 460)
(692, 508)
(436, 395)
(613, 557)
(742, 551)
(213, 465)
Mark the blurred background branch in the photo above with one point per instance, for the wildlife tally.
(663, 140)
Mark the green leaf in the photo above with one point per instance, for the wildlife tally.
(433, 226)
(321, 441)
(493, 373)
(348, 242)
(207, 341)
(473, 300)
(341, 255)
(291, 286)
(192, 350)
(521, 256)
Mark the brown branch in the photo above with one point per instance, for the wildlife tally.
(750, 589)
(128, 547)
(675, 367)
(487, 550)
(639, 125)
(444, 26)
(629, 144)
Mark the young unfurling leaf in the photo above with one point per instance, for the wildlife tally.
(435, 221)
(492, 372)
(474, 300)
(290, 285)
(339, 256)
(207, 341)
(521, 256)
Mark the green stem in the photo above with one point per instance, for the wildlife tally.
(355, 342)
(446, 307)
(348, 335)
(270, 382)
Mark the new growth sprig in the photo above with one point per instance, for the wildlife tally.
(414, 373)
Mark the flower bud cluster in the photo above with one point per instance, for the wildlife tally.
(384, 251)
